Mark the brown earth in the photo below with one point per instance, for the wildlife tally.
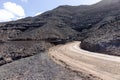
(103, 66)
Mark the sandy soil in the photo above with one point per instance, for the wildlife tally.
(103, 66)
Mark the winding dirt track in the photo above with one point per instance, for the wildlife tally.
(103, 66)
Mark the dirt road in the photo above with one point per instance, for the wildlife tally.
(70, 55)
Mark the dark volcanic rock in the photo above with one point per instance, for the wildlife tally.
(97, 26)
(15, 50)
(104, 38)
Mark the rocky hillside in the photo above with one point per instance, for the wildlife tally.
(97, 26)
(104, 37)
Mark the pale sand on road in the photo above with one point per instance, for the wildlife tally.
(103, 66)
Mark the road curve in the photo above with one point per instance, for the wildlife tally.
(103, 66)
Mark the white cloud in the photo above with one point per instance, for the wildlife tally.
(38, 13)
(24, 0)
(11, 11)
(5, 15)
(14, 8)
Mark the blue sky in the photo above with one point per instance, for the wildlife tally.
(16, 9)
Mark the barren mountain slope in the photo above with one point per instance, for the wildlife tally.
(97, 26)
